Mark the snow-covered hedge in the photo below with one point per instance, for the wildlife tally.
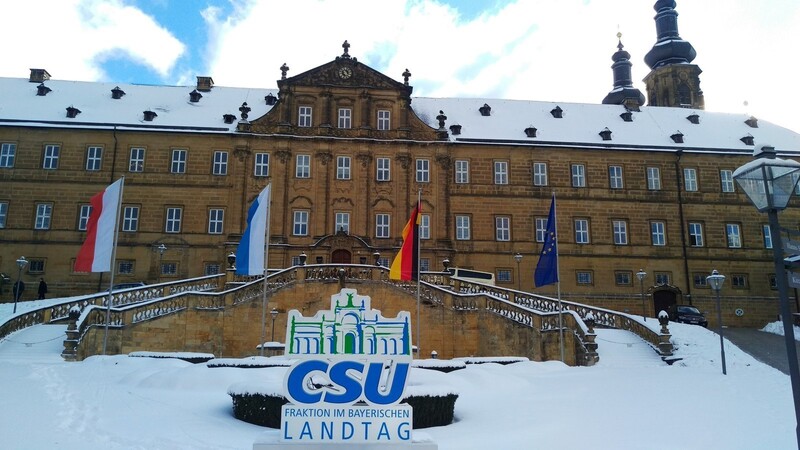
(442, 365)
(492, 359)
(252, 362)
(193, 358)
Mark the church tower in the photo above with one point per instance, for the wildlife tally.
(673, 80)
(623, 92)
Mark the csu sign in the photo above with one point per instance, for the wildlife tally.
(350, 375)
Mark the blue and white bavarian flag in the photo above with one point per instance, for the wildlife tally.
(251, 251)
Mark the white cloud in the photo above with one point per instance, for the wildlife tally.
(72, 38)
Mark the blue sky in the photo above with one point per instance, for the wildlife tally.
(554, 50)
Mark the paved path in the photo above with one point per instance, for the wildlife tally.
(766, 347)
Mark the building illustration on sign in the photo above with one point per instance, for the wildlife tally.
(350, 327)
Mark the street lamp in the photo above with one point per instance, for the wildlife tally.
(21, 263)
(769, 183)
(161, 249)
(640, 275)
(274, 314)
(715, 280)
(518, 259)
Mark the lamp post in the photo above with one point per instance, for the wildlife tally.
(161, 249)
(715, 280)
(518, 259)
(641, 274)
(21, 263)
(274, 314)
(231, 261)
(769, 183)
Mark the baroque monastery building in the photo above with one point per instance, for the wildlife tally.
(640, 183)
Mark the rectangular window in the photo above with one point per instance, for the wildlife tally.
(462, 171)
(502, 228)
(581, 231)
(700, 280)
(8, 153)
(178, 164)
(216, 219)
(462, 228)
(44, 213)
(501, 172)
(173, 222)
(345, 118)
(423, 171)
(342, 167)
(695, 234)
(739, 281)
(734, 233)
(83, 216)
(304, 117)
(169, 269)
(125, 267)
(583, 277)
(767, 236)
(382, 225)
(726, 181)
(343, 222)
(3, 214)
(541, 228)
(504, 276)
(578, 175)
(130, 219)
(295, 260)
(383, 169)
(51, 153)
(262, 165)
(690, 179)
(620, 229)
(424, 264)
(662, 278)
(136, 161)
(425, 226)
(94, 158)
(622, 278)
(653, 178)
(300, 223)
(384, 119)
(36, 266)
(220, 163)
(303, 166)
(615, 180)
(212, 269)
(540, 174)
(658, 236)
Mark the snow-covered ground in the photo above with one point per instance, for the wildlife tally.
(630, 400)
(777, 328)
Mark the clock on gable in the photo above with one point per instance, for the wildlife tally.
(345, 73)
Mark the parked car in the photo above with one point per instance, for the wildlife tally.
(687, 314)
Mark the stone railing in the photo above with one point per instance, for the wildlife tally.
(60, 310)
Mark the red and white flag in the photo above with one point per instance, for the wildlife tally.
(97, 251)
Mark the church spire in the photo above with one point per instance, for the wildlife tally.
(673, 80)
(623, 92)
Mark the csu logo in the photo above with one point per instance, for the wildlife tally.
(348, 354)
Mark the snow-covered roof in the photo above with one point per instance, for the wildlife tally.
(19, 105)
(581, 124)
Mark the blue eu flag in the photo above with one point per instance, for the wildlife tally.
(547, 267)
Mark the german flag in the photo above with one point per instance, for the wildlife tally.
(405, 264)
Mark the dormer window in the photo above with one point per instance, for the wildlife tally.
(72, 112)
(627, 116)
(677, 137)
(42, 90)
(605, 134)
(270, 99)
(455, 129)
(748, 140)
(693, 118)
(228, 118)
(195, 96)
(149, 116)
(752, 122)
(485, 110)
(530, 132)
(117, 93)
(557, 112)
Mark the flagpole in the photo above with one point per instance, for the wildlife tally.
(266, 273)
(558, 284)
(419, 275)
(113, 265)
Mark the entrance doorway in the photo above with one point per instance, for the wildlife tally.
(341, 257)
(663, 299)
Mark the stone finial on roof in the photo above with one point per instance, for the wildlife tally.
(346, 47)
(245, 110)
(406, 76)
(441, 118)
(284, 69)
